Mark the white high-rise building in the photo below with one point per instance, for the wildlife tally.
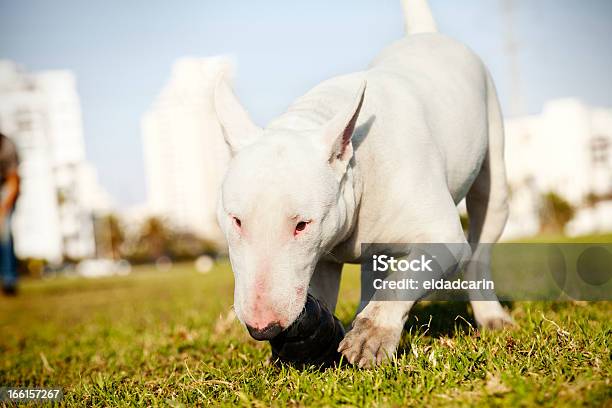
(41, 113)
(185, 154)
(567, 149)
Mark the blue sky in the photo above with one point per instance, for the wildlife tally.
(122, 52)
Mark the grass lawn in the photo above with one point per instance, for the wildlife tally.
(169, 338)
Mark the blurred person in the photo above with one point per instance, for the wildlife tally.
(9, 189)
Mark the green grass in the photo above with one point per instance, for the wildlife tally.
(168, 338)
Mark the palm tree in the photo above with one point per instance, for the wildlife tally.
(109, 236)
(555, 213)
(156, 237)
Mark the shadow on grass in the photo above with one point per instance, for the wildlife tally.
(438, 319)
(442, 319)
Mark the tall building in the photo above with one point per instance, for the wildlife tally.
(567, 149)
(185, 153)
(41, 113)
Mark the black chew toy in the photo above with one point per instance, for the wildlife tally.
(312, 339)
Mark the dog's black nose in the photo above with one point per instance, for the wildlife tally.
(267, 333)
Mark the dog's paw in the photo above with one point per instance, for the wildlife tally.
(367, 344)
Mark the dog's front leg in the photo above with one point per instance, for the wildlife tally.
(325, 283)
(377, 329)
(376, 332)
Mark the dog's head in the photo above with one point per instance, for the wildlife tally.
(280, 208)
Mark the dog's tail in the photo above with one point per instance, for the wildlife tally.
(418, 17)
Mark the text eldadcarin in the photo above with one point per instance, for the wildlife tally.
(421, 267)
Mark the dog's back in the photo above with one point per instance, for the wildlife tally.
(424, 88)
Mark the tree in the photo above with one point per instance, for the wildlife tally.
(109, 236)
(156, 237)
(555, 213)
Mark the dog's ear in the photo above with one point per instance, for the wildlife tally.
(338, 132)
(238, 128)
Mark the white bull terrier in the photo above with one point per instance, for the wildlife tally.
(350, 164)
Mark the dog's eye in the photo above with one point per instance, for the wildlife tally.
(300, 226)
(237, 222)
